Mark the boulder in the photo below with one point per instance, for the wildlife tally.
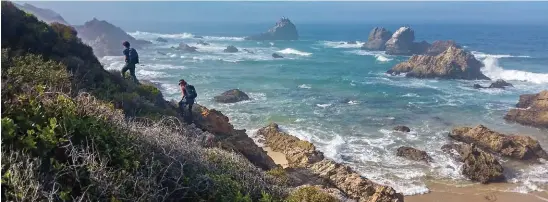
(231, 96)
(229, 138)
(283, 30)
(513, 146)
(276, 55)
(477, 86)
(532, 110)
(105, 38)
(404, 129)
(478, 165)
(186, 48)
(377, 39)
(401, 42)
(203, 43)
(230, 49)
(413, 154)
(303, 155)
(499, 83)
(453, 63)
(162, 40)
(440, 46)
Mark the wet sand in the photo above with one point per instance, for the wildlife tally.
(447, 192)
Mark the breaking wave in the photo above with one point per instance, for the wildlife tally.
(294, 52)
(492, 70)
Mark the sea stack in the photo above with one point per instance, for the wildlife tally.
(401, 42)
(283, 30)
(453, 63)
(377, 39)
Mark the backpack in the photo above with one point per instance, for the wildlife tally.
(191, 91)
(133, 56)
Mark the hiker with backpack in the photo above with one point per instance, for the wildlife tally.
(132, 58)
(189, 95)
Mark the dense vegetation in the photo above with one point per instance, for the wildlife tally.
(73, 131)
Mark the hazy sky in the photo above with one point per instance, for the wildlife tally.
(304, 12)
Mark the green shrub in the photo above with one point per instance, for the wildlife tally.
(279, 175)
(310, 194)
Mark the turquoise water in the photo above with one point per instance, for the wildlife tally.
(338, 97)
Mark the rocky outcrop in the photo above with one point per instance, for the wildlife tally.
(478, 165)
(303, 155)
(401, 42)
(162, 40)
(105, 38)
(513, 146)
(276, 55)
(283, 30)
(413, 154)
(186, 48)
(229, 138)
(499, 83)
(403, 129)
(46, 15)
(439, 47)
(231, 96)
(532, 110)
(377, 39)
(453, 63)
(203, 43)
(230, 49)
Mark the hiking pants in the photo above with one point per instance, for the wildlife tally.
(184, 102)
(131, 67)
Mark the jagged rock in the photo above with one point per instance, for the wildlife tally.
(230, 49)
(478, 165)
(440, 46)
(499, 83)
(404, 129)
(218, 124)
(401, 42)
(231, 96)
(162, 40)
(453, 63)
(377, 39)
(302, 154)
(105, 38)
(186, 48)
(513, 146)
(283, 30)
(46, 15)
(413, 154)
(203, 43)
(276, 55)
(532, 110)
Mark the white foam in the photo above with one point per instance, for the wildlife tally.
(152, 36)
(294, 52)
(342, 44)
(147, 74)
(323, 105)
(481, 55)
(305, 86)
(410, 95)
(353, 102)
(224, 38)
(492, 70)
(382, 58)
(271, 43)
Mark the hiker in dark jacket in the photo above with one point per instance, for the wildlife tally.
(189, 94)
(131, 58)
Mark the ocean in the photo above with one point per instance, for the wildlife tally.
(338, 97)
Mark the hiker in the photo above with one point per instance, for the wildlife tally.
(189, 94)
(131, 58)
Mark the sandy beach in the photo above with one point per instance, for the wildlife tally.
(447, 192)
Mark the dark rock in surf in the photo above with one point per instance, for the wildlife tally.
(247, 51)
(203, 43)
(186, 48)
(230, 49)
(404, 129)
(499, 83)
(478, 165)
(377, 39)
(198, 37)
(160, 39)
(231, 96)
(276, 55)
(283, 30)
(413, 154)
